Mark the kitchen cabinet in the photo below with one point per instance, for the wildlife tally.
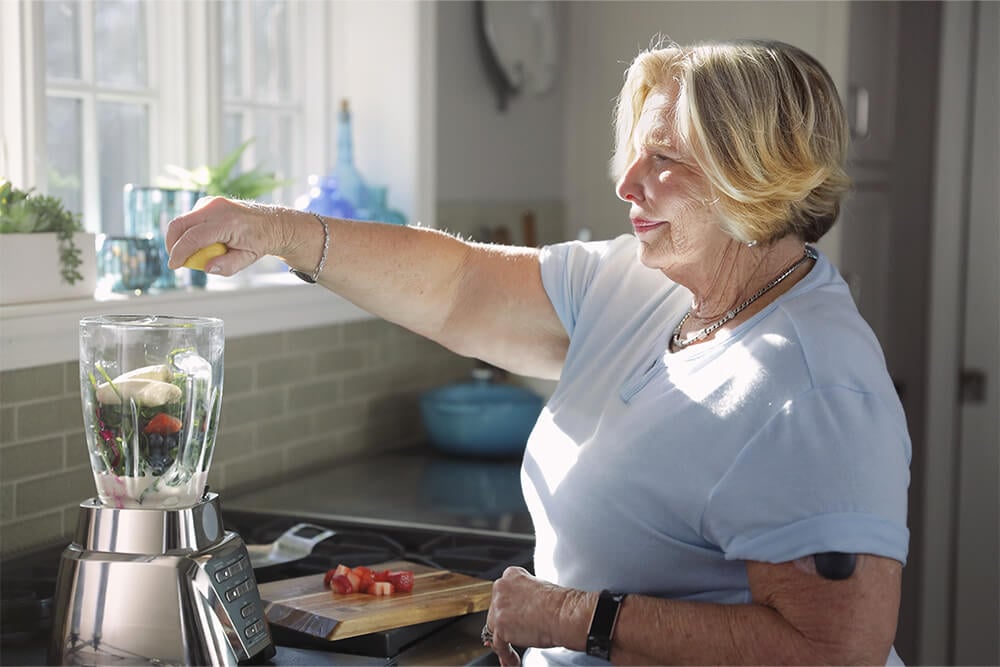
(885, 224)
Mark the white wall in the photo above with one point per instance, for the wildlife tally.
(484, 154)
(605, 36)
(381, 71)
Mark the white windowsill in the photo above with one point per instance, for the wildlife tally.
(39, 334)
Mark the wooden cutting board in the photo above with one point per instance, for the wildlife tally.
(305, 605)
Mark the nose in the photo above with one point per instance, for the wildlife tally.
(629, 186)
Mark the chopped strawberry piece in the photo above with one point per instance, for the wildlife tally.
(382, 588)
(401, 580)
(339, 583)
(163, 424)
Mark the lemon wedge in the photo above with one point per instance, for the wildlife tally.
(198, 260)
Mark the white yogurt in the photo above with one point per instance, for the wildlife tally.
(122, 491)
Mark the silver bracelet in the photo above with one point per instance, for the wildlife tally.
(322, 260)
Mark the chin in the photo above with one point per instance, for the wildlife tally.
(650, 256)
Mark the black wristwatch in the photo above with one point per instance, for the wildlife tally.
(602, 626)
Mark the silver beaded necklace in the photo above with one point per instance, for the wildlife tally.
(706, 332)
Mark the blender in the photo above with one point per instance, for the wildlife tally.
(152, 576)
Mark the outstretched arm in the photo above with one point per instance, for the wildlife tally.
(479, 300)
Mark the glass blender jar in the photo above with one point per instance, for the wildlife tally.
(152, 393)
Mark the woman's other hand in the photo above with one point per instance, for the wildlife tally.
(249, 231)
(528, 612)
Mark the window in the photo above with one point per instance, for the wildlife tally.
(122, 88)
(260, 82)
(100, 93)
(100, 98)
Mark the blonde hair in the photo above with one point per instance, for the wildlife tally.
(763, 121)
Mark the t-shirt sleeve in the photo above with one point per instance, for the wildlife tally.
(568, 269)
(828, 472)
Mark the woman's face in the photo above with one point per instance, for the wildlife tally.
(670, 197)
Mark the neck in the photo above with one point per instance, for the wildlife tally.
(739, 273)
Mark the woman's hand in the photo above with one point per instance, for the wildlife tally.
(526, 611)
(249, 231)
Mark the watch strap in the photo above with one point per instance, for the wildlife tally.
(602, 625)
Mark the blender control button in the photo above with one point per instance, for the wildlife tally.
(238, 590)
(253, 629)
(223, 574)
(247, 610)
(238, 566)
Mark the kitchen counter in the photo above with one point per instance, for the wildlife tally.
(413, 487)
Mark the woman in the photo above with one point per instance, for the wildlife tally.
(724, 455)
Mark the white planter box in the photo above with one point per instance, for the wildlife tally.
(30, 269)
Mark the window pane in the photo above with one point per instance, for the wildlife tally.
(232, 70)
(123, 156)
(119, 43)
(64, 151)
(232, 134)
(272, 73)
(274, 138)
(62, 39)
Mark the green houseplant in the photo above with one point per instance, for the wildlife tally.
(220, 179)
(22, 212)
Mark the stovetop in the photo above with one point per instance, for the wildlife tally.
(413, 488)
(452, 514)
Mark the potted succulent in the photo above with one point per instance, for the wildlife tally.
(44, 253)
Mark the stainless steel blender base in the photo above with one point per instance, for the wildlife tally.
(154, 586)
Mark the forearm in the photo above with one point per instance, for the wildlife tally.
(654, 631)
(383, 269)
(478, 300)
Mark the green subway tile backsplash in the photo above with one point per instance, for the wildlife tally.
(349, 358)
(237, 380)
(30, 459)
(317, 338)
(47, 417)
(60, 488)
(253, 348)
(32, 531)
(28, 384)
(284, 370)
(7, 423)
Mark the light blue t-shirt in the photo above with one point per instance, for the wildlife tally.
(658, 473)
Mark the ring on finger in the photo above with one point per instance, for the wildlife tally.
(486, 635)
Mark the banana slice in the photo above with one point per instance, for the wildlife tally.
(159, 372)
(144, 391)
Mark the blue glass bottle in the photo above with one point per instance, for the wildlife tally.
(350, 184)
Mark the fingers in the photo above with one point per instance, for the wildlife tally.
(213, 220)
(506, 654)
(182, 223)
(501, 647)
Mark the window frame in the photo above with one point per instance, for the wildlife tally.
(183, 28)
